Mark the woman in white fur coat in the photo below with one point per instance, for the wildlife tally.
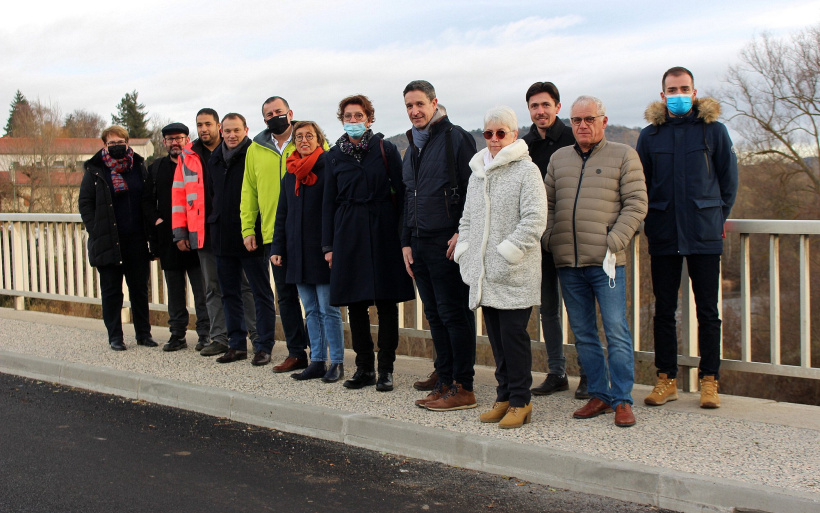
(499, 256)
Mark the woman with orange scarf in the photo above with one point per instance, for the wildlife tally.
(297, 236)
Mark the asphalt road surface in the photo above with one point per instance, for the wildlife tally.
(68, 450)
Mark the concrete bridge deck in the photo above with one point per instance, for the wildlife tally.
(749, 455)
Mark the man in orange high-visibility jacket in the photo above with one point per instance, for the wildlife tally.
(190, 208)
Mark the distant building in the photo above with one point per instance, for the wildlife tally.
(42, 175)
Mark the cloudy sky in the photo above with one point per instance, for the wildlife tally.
(181, 56)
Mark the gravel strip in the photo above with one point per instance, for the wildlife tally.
(753, 452)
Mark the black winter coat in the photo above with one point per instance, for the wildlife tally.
(430, 207)
(558, 136)
(297, 234)
(225, 188)
(172, 259)
(96, 204)
(360, 224)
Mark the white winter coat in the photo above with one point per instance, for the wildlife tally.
(505, 214)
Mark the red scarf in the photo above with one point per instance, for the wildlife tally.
(302, 167)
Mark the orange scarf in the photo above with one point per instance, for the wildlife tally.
(302, 167)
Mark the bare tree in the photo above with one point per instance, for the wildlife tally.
(83, 123)
(775, 95)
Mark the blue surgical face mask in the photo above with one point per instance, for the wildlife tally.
(355, 130)
(679, 104)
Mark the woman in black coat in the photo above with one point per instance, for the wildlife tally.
(116, 204)
(360, 237)
(297, 238)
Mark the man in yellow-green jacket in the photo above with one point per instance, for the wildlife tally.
(264, 169)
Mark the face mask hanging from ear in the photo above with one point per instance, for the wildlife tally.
(679, 104)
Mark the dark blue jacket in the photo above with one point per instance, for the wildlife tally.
(297, 233)
(691, 179)
(360, 225)
(430, 208)
(225, 187)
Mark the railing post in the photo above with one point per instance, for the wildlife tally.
(635, 277)
(774, 298)
(805, 302)
(745, 300)
(18, 266)
(689, 332)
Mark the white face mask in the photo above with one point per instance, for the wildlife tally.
(609, 267)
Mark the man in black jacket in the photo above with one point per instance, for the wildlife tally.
(226, 169)
(436, 171)
(175, 263)
(547, 134)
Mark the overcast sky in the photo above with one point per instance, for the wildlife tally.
(181, 56)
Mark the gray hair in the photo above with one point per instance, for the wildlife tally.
(503, 115)
(590, 99)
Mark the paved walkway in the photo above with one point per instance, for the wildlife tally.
(751, 453)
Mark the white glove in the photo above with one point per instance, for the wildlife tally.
(609, 267)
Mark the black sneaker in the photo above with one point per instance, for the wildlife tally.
(203, 342)
(553, 383)
(175, 343)
(581, 391)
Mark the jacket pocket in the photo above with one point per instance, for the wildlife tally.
(660, 224)
(499, 270)
(708, 219)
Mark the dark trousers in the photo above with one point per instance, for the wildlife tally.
(507, 331)
(551, 318)
(446, 305)
(704, 271)
(229, 270)
(135, 269)
(177, 304)
(358, 314)
(290, 310)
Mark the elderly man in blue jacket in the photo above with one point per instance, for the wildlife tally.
(691, 178)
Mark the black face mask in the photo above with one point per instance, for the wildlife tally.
(278, 124)
(118, 151)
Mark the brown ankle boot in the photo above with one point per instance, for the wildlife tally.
(435, 395)
(709, 392)
(665, 390)
(516, 417)
(497, 413)
(455, 399)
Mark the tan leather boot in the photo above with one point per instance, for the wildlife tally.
(516, 417)
(709, 392)
(497, 413)
(665, 390)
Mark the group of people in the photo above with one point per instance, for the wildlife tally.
(354, 224)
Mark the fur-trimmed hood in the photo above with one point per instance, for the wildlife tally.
(708, 109)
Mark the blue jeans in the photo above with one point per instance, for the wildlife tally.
(229, 269)
(610, 378)
(324, 323)
(446, 305)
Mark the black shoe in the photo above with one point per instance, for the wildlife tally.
(361, 379)
(232, 355)
(116, 345)
(175, 343)
(553, 383)
(581, 391)
(334, 373)
(385, 382)
(315, 370)
(147, 342)
(202, 343)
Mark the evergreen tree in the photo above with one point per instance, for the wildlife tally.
(132, 116)
(19, 116)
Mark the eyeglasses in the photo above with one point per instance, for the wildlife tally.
(358, 116)
(306, 137)
(115, 143)
(588, 120)
(488, 134)
(179, 138)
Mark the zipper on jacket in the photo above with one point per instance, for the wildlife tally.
(575, 209)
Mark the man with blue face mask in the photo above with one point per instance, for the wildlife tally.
(691, 178)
